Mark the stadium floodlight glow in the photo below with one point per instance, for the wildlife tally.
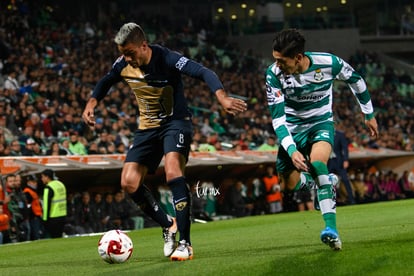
(243, 5)
(220, 10)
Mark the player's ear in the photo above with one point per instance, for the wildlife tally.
(299, 57)
(144, 44)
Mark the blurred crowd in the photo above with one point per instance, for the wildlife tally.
(49, 68)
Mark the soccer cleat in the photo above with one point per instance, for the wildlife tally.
(330, 237)
(183, 252)
(169, 238)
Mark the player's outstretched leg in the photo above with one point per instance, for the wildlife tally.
(182, 206)
(326, 193)
(144, 198)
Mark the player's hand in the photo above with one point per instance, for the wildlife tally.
(373, 127)
(231, 105)
(299, 161)
(88, 115)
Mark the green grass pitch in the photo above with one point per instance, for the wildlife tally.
(378, 239)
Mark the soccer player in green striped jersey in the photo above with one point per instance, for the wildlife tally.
(299, 97)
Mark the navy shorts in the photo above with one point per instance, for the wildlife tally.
(150, 145)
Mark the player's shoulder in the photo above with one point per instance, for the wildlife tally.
(159, 50)
(322, 58)
(165, 54)
(119, 64)
(273, 70)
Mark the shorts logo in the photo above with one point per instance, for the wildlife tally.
(181, 63)
(180, 206)
(180, 143)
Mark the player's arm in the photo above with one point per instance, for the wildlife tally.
(276, 105)
(101, 89)
(196, 70)
(358, 86)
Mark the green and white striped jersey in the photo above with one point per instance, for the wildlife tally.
(298, 102)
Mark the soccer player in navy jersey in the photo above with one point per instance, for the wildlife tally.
(299, 96)
(153, 73)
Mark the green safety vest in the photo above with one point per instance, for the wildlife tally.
(57, 206)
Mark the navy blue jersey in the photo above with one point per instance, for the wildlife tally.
(158, 86)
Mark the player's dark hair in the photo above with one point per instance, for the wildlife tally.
(289, 43)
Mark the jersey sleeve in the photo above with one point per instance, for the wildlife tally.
(276, 105)
(356, 84)
(111, 78)
(194, 69)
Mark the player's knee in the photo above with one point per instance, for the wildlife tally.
(130, 184)
(127, 187)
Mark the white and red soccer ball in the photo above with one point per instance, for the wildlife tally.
(115, 246)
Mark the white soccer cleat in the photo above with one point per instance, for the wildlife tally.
(183, 252)
(169, 238)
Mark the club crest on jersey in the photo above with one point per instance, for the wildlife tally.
(289, 91)
(318, 75)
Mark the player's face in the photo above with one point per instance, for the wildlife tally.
(286, 64)
(135, 55)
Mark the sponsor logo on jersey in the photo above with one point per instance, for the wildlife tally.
(310, 98)
(318, 75)
(181, 62)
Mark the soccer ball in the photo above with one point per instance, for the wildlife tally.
(115, 247)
